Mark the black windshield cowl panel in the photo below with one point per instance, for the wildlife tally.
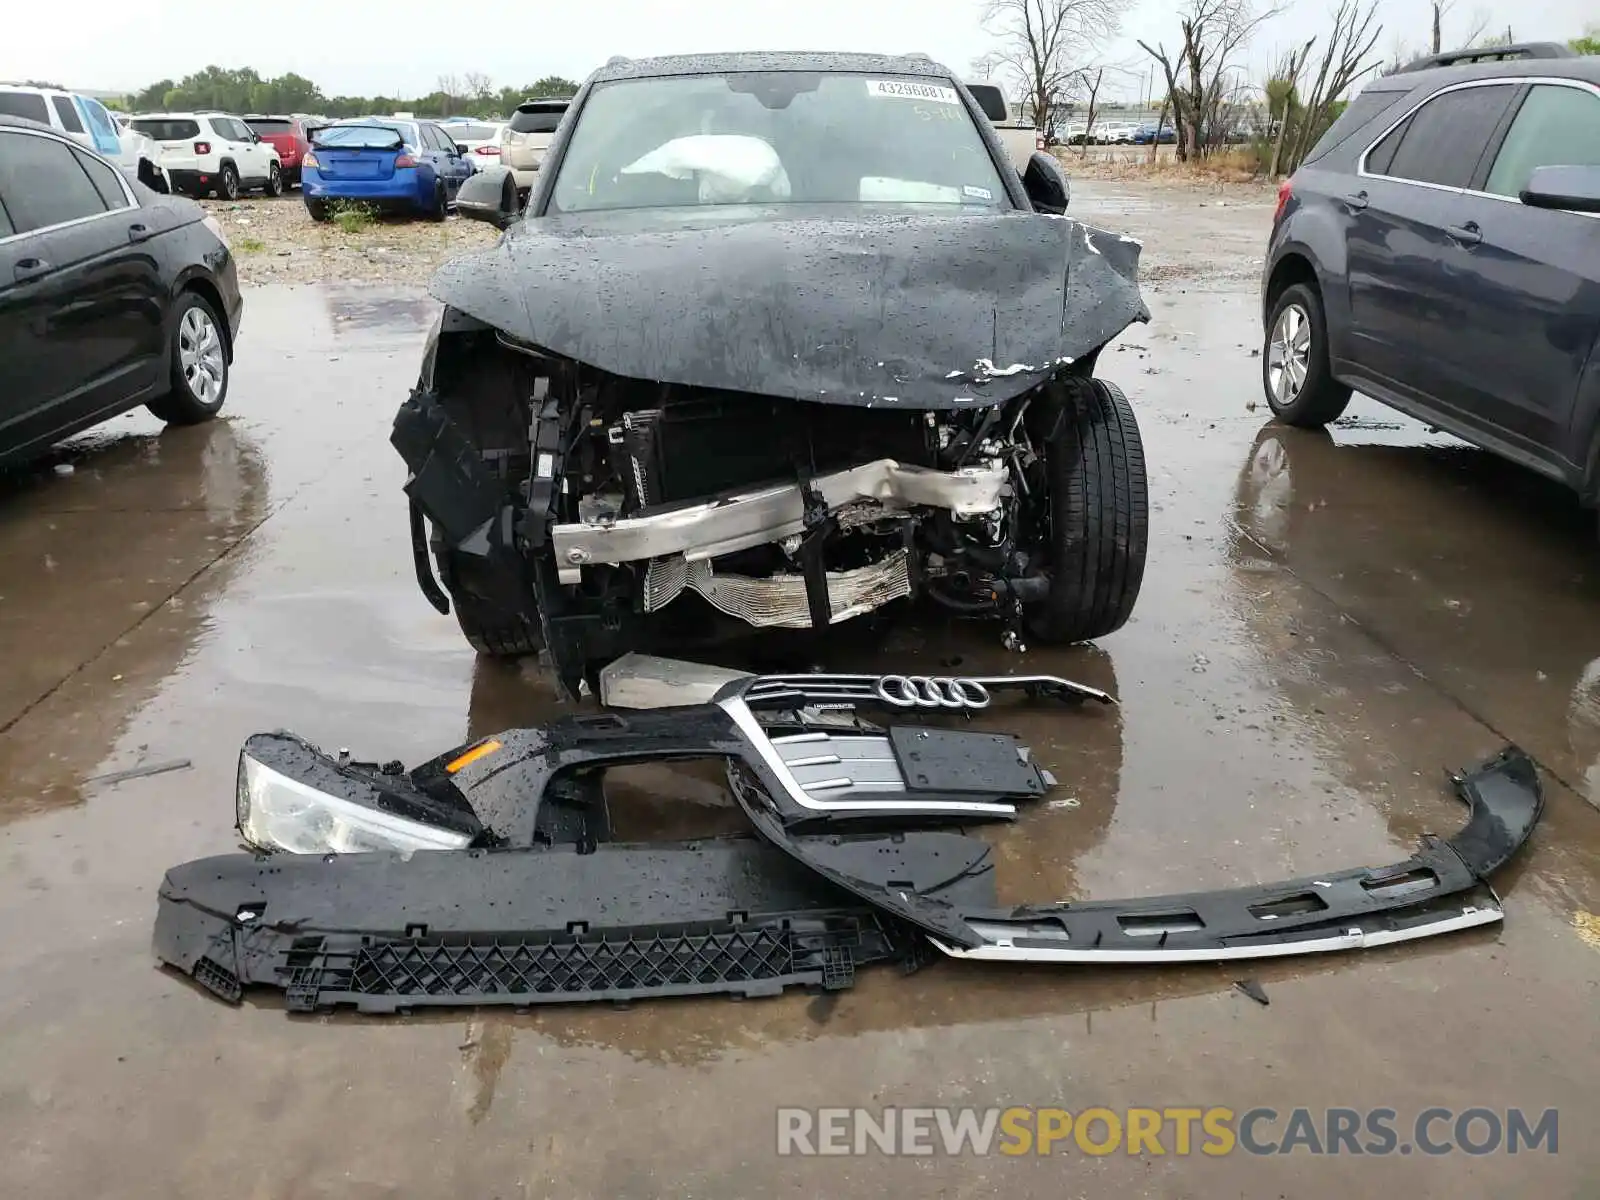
(871, 305)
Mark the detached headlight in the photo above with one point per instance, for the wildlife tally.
(276, 812)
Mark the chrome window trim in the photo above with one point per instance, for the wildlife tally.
(53, 136)
(1513, 80)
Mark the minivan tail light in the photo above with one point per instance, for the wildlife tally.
(487, 150)
(202, 148)
(404, 160)
(1285, 190)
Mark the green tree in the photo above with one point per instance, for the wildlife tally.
(554, 85)
(154, 96)
(1589, 43)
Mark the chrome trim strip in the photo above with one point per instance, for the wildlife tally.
(1513, 80)
(745, 720)
(1470, 917)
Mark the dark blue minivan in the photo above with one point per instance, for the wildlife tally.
(1439, 250)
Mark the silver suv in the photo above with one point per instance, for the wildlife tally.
(527, 136)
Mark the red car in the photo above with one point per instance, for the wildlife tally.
(287, 135)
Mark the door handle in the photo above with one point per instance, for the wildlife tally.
(29, 268)
(1358, 200)
(138, 232)
(1468, 234)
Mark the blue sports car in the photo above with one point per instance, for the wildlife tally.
(392, 163)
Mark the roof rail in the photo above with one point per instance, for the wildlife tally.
(918, 56)
(1478, 54)
(617, 60)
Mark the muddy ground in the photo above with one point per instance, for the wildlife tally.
(1328, 621)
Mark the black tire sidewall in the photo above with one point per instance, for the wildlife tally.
(229, 189)
(1321, 398)
(274, 180)
(1098, 526)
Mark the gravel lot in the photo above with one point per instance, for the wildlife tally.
(275, 241)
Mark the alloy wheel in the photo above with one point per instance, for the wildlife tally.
(1289, 354)
(200, 355)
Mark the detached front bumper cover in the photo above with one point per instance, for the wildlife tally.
(547, 909)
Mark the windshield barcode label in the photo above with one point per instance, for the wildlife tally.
(905, 90)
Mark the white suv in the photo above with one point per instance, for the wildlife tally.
(527, 136)
(211, 152)
(86, 121)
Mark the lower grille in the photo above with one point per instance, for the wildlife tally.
(779, 601)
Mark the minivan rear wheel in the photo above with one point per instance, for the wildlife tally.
(1300, 387)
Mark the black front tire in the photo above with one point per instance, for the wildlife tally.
(490, 625)
(200, 371)
(1295, 374)
(1099, 512)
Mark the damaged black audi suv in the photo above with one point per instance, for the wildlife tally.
(778, 340)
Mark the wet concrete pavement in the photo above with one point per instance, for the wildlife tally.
(1327, 622)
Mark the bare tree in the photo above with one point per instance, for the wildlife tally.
(1161, 123)
(1042, 44)
(1480, 24)
(1282, 99)
(1091, 91)
(1213, 33)
(1345, 59)
(478, 85)
(985, 65)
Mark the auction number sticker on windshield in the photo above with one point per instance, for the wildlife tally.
(905, 89)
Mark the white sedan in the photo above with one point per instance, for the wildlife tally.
(480, 141)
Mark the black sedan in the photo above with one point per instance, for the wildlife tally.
(111, 296)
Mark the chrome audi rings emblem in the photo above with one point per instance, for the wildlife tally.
(932, 691)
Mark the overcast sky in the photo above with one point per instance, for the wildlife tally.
(401, 47)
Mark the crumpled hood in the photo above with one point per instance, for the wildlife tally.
(853, 306)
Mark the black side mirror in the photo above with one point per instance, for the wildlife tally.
(1046, 184)
(461, 148)
(490, 195)
(1576, 189)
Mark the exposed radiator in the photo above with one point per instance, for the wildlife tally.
(781, 599)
